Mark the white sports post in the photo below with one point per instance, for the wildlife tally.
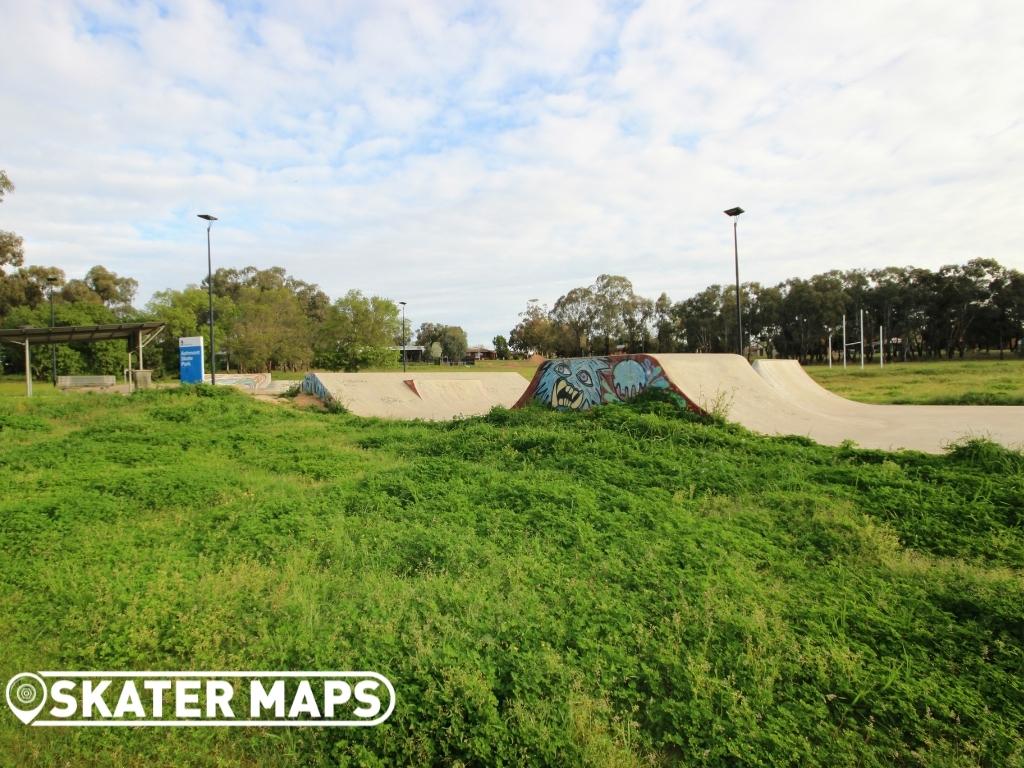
(862, 339)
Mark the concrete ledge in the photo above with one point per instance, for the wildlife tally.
(69, 382)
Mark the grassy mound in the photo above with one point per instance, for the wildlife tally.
(631, 586)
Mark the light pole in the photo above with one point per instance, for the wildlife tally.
(209, 284)
(52, 281)
(733, 213)
(403, 336)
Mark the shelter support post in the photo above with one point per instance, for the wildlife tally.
(28, 370)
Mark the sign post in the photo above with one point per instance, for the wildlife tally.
(190, 359)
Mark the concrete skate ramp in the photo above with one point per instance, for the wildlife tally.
(429, 396)
(922, 427)
(726, 384)
(250, 382)
(790, 378)
(782, 400)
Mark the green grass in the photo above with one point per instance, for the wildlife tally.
(14, 386)
(968, 382)
(625, 587)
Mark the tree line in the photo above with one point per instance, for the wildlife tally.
(264, 319)
(268, 320)
(921, 313)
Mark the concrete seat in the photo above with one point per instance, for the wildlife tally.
(70, 382)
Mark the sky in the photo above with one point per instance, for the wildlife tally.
(467, 157)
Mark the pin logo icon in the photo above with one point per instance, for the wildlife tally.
(26, 696)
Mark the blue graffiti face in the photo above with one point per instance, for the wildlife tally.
(573, 385)
(629, 379)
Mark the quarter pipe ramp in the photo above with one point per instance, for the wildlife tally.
(773, 398)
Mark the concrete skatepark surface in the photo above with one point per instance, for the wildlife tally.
(420, 395)
(921, 427)
(772, 397)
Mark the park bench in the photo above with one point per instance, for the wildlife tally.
(68, 382)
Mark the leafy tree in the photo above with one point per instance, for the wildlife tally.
(703, 320)
(501, 347)
(454, 342)
(764, 316)
(665, 324)
(114, 291)
(535, 331)
(27, 287)
(637, 314)
(427, 336)
(12, 251)
(576, 311)
(451, 339)
(1007, 310)
(358, 333)
(611, 294)
(270, 331)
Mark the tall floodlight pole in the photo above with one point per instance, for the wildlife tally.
(733, 213)
(51, 281)
(209, 284)
(403, 337)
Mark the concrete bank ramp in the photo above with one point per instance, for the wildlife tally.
(776, 399)
(430, 396)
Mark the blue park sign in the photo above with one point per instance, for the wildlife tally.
(190, 359)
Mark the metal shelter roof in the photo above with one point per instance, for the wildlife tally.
(62, 334)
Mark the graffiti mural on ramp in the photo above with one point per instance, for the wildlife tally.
(580, 383)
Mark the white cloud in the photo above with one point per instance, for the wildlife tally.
(469, 158)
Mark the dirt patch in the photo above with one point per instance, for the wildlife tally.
(302, 400)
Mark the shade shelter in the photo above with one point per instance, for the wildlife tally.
(141, 333)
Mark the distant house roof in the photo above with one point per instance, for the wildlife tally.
(479, 348)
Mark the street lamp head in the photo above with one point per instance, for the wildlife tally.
(402, 303)
(52, 279)
(734, 211)
(206, 216)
